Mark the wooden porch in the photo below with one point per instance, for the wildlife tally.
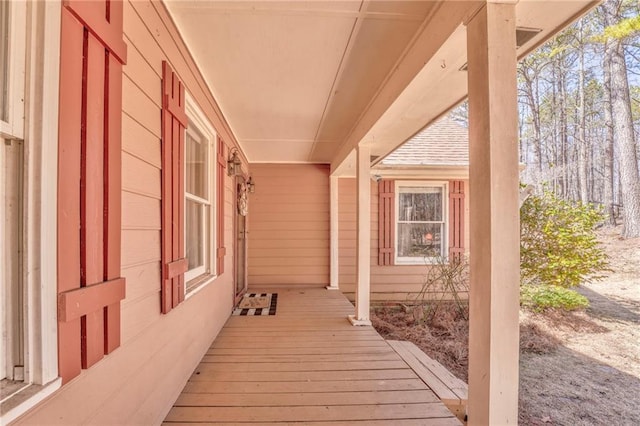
(305, 365)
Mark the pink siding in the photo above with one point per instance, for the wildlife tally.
(138, 382)
(392, 282)
(289, 225)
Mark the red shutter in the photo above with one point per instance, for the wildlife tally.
(221, 250)
(386, 222)
(456, 219)
(89, 184)
(174, 123)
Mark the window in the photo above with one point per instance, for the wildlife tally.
(199, 197)
(421, 222)
(12, 68)
(188, 185)
(4, 55)
(12, 196)
(12, 359)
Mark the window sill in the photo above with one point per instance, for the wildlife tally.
(25, 399)
(198, 284)
(416, 262)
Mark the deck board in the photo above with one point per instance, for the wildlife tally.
(271, 388)
(444, 421)
(305, 365)
(303, 399)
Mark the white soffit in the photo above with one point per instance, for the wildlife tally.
(440, 85)
(292, 76)
(295, 78)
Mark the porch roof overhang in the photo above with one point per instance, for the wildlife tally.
(420, 172)
(308, 81)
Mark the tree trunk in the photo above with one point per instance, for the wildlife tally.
(530, 77)
(582, 140)
(557, 167)
(564, 142)
(608, 190)
(623, 132)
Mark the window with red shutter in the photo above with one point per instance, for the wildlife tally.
(174, 123)
(90, 287)
(422, 226)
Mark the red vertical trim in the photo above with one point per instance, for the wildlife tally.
(175, 208)
(456, 219)
(107, 28)
(222, 164)
(69, 135)
(113, 192)
(92, 197)
(174, 121)
(180, 197)
(167, 202)
(89, 185)
(386, 222)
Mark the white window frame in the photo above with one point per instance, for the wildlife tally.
(197, 278)
(405, 260)
(34, 72)
(13, 126)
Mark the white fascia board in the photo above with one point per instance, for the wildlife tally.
(421, 172)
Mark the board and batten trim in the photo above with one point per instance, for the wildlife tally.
(89, 185)
(174, 123)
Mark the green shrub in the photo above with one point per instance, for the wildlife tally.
(542, 297)
(558, 245)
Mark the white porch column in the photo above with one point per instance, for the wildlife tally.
(334, 234)
(494, 221)
(363, 244)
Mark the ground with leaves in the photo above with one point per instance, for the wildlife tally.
(580, 368)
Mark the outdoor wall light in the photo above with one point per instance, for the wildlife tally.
(234, 164)
(251, 185)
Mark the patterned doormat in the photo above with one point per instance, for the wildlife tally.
(257, 304)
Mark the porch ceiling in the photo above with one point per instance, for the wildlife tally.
(306, 81)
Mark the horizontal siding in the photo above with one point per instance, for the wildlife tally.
(140, 246)
(143, 74)
(144, 278)
(140, 142)
(289, 225)
(139, 314)
(395, 282)
(285, 244)
(289, 280)
(136, 104)
(140, 212)
(280, 256)
(140, 177)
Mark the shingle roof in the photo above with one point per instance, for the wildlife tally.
(444, 143)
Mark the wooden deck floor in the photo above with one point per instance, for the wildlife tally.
(305, 365)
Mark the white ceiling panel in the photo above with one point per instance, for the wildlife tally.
(305, 81)
(274, 151)
(270, 73)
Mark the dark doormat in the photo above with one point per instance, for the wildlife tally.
(257, 304)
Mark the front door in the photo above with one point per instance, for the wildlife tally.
(241, 237)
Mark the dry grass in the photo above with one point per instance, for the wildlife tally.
(535, 339)
(445, 339)
(576, 368)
